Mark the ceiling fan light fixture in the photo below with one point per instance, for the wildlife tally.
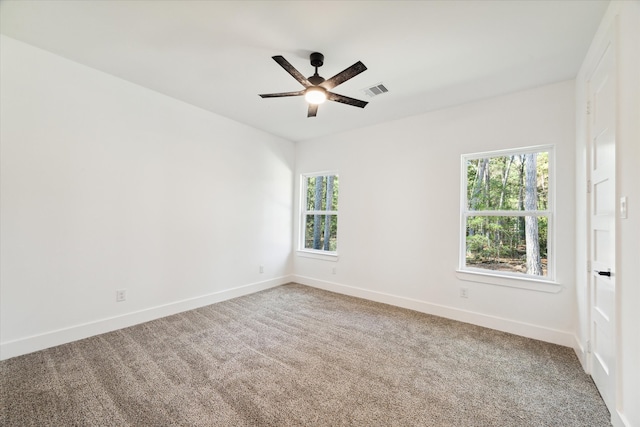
(315, 95)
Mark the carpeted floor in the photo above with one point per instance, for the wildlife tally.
(299, 356)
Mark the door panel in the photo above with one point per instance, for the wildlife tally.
(603, 149)
(603, 301)
(601, 194)
(601, 249)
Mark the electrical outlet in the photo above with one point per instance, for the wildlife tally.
(261, 269)
(464, 292)
(333, 270)
(121, 295)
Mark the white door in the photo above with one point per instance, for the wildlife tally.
(602, 120)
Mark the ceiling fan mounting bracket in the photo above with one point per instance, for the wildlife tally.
(317, 59)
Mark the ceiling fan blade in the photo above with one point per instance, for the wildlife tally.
(344, 75)
(346, 100)
(281, 94)
(291, 70)
(313, 110)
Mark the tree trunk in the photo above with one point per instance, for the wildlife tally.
(317, 219)
(534, 264)
(478, 184)
(477, 188)
(521, 225)
(505, 177)
(327, 218)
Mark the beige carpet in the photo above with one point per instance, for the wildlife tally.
(298, 356)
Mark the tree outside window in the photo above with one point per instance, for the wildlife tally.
(319, 227)
(506, 212)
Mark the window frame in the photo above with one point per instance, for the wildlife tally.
(304, 212)
(495, 276)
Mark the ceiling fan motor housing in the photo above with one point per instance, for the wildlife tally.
(315, 79)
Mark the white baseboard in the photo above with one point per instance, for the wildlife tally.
(581, 352)
(73, 333)
(619, 420)
(553, 336)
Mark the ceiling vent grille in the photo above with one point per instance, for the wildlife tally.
(376, 90)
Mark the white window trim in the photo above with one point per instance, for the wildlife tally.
(307, 252)
(518, 280)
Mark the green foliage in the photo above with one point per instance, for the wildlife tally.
(311, 196)
(321, 229)
(498, 184)
(321, 220)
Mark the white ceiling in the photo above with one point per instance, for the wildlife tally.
(217, 54)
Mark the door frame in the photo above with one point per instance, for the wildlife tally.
(609, 39)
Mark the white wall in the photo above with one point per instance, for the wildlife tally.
(399, 207)
(625, 18)
(106, 185)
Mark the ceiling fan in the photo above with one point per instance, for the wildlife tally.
(317, 89)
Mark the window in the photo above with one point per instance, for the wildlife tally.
(507, 213)
(319, 222)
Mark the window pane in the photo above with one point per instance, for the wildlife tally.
(517, 182)
(322, 193)
(507, 243)
(320, 232)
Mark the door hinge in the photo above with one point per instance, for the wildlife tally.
(588, 107)
(588, 266)
(589, 186)
(589, 346)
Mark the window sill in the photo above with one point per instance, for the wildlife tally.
(528, 283)
(324, 256)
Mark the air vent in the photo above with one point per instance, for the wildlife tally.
(376, 90)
